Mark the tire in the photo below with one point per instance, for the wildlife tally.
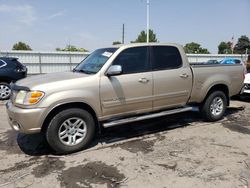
(214, 106)
(5, 91)
(71, 130)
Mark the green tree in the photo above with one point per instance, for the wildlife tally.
(71, 48)
(21, 46)
(242, 44)
(116, 42)
(225, 48)
(142, 37)
(195, 48)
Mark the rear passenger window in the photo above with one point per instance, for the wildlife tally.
(165, 57)
(133, 60)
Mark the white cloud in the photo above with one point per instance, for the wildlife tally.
(57, 14)
(24, 14)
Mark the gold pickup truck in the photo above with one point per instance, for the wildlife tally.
(118, 85)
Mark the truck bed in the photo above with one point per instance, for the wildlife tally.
(207, 75)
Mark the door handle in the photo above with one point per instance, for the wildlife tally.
(184, 75)
(143, 80)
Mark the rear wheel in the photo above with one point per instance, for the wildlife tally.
(214, 106)
(70, 130)
(5, 91)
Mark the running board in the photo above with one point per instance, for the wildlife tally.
(147, 116)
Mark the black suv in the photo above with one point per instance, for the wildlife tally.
(11, 70)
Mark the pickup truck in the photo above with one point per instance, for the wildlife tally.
(118, 85)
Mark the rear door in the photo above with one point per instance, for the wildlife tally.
(130, 92)
(172, 80)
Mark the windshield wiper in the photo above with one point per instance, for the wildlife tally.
(83, 71)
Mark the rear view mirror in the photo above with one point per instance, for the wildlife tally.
(114, 70)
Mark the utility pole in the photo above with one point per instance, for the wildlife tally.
(148, 21)
(232, 44)
(123, 30)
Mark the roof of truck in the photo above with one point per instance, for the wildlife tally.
(146, 44)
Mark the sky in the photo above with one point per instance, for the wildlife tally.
(47, 24)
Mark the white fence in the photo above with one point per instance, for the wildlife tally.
(46, 62)
(197, 58)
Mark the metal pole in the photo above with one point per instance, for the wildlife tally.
(147, 21)
(122, 33)
(70, 62)
(40, 63)
(232, 48)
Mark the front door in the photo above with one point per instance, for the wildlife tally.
(131, 92)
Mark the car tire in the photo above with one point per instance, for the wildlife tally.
(214, 106)
(71, 130)
(5, 91)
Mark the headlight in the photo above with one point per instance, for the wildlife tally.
(28, 97)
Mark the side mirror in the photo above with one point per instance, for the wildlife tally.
(114, 70)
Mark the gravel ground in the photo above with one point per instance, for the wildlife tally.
(176, 151)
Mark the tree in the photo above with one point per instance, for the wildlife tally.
(225, 48)
(142, 37)
(116, 42)
(71, 48)
(195, 48)
(21, 46)
(242, 44)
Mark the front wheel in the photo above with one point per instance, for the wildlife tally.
(5, 91)
(71, 130)
(214, 106)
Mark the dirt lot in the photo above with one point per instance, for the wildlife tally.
(177, 151)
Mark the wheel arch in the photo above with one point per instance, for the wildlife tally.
(219, 87)
(64, 106)
(5, 80)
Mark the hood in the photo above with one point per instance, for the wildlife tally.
(38, 80)
(247, 78)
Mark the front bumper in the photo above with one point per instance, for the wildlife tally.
(25, 120)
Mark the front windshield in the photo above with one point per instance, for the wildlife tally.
(94, 62)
